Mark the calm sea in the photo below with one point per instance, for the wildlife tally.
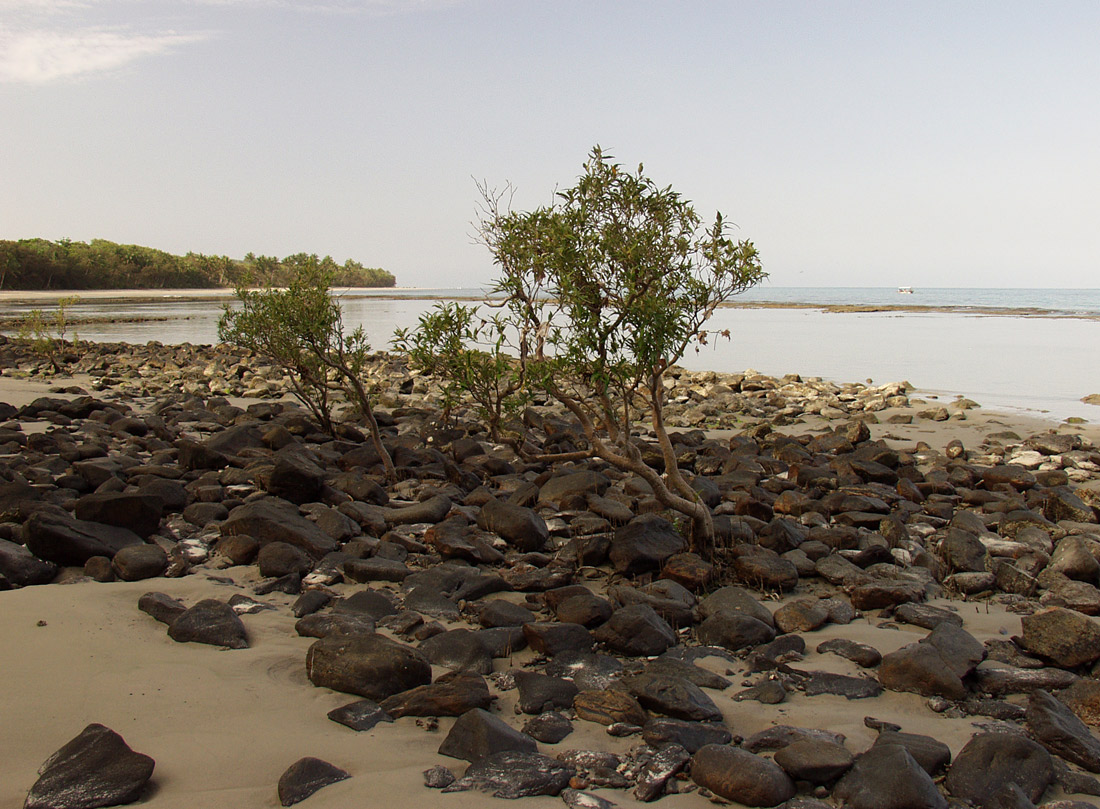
(1037, 354)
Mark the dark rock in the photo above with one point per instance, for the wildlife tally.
(931, 754)
(453, 694)
(673, 667)
(277, 559)
(1068, 638)
(371, 666)
(549, 728)
(360, 715)
(137, 562)
(56, 537)
(1059, 730)
(458, 650)
(887, 777)
(926, 615)
(590, 672)
(736, 600)
(304, 777)
(656, 772)
(275, 520)
(738, 775)
(540, 692)
(662, 730)
(608, 707)
(779, 736)
(368, 603)
(584, 608)
(733, 631)
(800, 615)
(498, 612)
(22, 568)
(97, 768)
(673, 696)
(162, 607)
(644, 544)
(552, 639)
(818, 762)
(310, 602)
(568, 485)
(432, 510)
(137, 512)
(438, 777)
(636, 630)
(478, 733)
(515, 774)
(521, 527)
(922, 669)
(859, 653)
(295, 477)
(766, 572)
(1002, 680)
(212, 622)
(823, 682)
(881, 593)
(991, 760)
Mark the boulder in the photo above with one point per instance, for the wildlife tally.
(644, 544)
(991, 760)
(138, 562)
(212, 622)
(371, 666)
(22, 568)
(1052, 724)
(521, 527)
(887, 777)
(64, 540)
(305, 776)
(274, 520)
(637, 631)
(97, 768)
(137, 512)
(478, 733)
(1068, 638)
(740, 776)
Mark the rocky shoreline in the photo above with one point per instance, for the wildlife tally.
(886, 622)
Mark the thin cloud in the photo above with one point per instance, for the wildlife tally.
(37, 57)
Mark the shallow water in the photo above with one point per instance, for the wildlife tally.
(1034, 364)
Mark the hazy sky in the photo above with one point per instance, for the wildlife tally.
(856, 143)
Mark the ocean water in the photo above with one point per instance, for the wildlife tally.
(1017, 350)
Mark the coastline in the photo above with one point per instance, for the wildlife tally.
(224, 724)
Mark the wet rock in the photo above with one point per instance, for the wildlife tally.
(305, 776)
(371, 666)
(991, 760)
(96, 768)
(478, 733)
(887, 777)
(515, 774)
(636, 630)
(453, 694)
(738, 775)
(360, 715)
(212, 622)
(1059, 730)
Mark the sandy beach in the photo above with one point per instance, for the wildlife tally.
(224, 724)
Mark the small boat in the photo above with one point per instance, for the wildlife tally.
(905, 290)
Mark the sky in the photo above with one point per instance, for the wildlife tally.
(854, 143)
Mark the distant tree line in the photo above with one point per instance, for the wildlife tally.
(100, 264)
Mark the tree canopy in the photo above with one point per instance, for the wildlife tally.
(101, 264)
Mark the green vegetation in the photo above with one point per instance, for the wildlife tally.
(100, 264)
(603, 291)
(300, 328)
(47, 332)
(467, 353)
